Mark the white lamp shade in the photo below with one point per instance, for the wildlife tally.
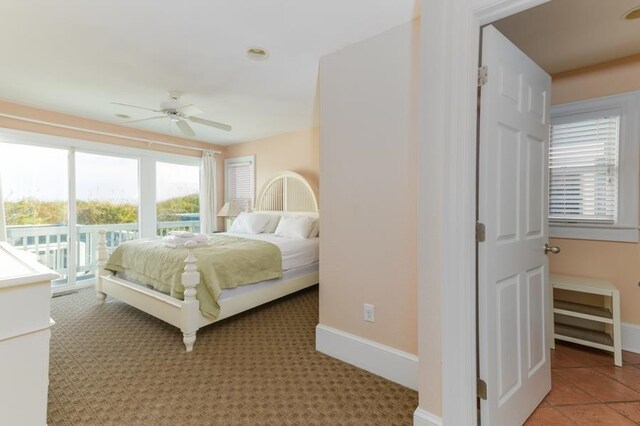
(229, 209)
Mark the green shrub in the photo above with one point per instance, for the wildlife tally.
(30, 211)
(103, 212)
(168, 210)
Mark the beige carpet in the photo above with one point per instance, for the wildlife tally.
(114, 365)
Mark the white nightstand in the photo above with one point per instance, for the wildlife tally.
(594, 326)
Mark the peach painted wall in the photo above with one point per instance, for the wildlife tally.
(609, 78)
(297, 151)
(613, 261)
(29, 119)
(368, 169)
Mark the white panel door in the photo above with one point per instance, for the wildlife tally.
(513, 276)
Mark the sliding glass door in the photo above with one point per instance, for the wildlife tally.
(177, 199)
(35, 189)
(106, 197)
(57, 199)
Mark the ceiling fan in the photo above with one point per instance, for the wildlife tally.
(172, 110)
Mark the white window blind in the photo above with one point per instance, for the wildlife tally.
(583, 170)
(240, 184)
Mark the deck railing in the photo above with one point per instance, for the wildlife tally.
(50, 243)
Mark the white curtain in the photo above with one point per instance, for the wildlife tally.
(3, 223)
(208, 193)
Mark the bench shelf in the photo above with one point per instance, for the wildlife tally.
(593, 326)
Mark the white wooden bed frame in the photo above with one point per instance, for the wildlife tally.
(287, 193)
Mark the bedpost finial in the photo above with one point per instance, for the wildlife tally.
(191, 244)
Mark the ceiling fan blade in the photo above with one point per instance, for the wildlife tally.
(185, 128)
(189, 110)
(145, 119)
(210, 123)
(135, 106)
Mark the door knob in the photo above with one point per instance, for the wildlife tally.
(551, 249)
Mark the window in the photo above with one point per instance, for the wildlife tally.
(593, 169)
(35, 194)
(177, 197)
(583, 170)
(240, 181)
(58, 193)
(104, 200)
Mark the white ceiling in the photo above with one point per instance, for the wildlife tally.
(564, 35)
(77, 56)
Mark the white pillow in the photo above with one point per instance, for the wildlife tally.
(315, 230)
(249, 223)
(294, 227)
(272, 225)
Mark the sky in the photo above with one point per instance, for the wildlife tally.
(28, 171)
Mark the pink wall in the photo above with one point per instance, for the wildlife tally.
(297, 151)
(368, 169)
(615, 262)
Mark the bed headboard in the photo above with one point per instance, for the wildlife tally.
(287, 192)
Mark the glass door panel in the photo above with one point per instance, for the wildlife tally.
(107, 197)
(35, 194)
(178, 204)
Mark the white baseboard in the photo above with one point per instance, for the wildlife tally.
(424, 418)
(630, 337)
(392, 364)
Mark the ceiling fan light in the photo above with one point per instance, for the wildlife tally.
(174, 116)
(257, 53)
(632, 14)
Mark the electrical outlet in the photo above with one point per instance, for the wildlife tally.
(369, 313)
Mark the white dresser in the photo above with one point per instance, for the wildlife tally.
(25, 296)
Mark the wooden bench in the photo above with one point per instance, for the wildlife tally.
(594, 326)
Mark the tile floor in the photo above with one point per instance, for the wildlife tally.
(587, 389)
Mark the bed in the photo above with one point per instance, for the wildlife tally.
(285, 194)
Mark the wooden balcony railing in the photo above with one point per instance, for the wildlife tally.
(50, 243)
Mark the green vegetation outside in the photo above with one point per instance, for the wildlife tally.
(30, 211)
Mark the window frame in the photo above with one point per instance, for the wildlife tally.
(625, 227)
(147, 222)
(234, 160)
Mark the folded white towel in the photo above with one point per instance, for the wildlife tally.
(198, 238)
(171, 244)
(182, 234)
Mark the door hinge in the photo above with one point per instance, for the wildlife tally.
(480, 232)
(483, 76)
(481, 388)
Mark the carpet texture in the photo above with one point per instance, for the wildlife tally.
(115, 365)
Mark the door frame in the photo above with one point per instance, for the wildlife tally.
(450, 49)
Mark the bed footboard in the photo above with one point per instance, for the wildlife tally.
(183, 314)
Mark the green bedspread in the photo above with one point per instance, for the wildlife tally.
(227, 262)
